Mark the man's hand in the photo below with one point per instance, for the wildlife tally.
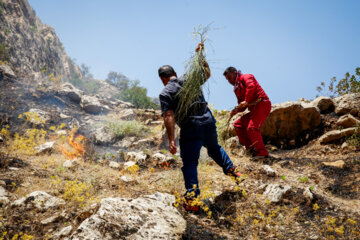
(239, 108)
(233, 112)
(172, 147)
(199, 47)
(243, 105)
(169, 121)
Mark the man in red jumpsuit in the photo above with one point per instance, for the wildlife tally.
(249, 95)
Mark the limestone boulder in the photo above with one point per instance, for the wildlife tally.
(290, 119)
(3, 196)
(40, 200)
(127, 114)
(47, 147)
(159, 157)
(129, 164)
(139, 157)
(6, 72)
(74, 94)
(102, 136)
(276, 192)
(337, 134)
(148, 217)
(114, 164)
(347, 103)
(325, 104)
(38, 116)
(348, 121)
(91, 104)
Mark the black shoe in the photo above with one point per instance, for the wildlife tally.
(260, 158)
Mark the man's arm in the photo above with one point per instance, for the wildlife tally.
(169, 121)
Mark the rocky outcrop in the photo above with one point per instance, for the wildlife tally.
(138, 157)
(32, 46)
(349, 103)
(337, 134)
(6, 72)
(71, 92)
(149, 217)
(348, 121)
(275, 192)
(91, 104)
(47, 147)
(40, 200)
(288, 120)
(3, 196)
(324, 104)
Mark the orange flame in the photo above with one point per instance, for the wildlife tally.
(77, 143)
(165, 165)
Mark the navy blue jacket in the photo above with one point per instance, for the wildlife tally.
(198, 114)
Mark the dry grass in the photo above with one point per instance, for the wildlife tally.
(195, 74)
(238, 210)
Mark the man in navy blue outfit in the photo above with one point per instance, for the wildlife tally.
(197, 129)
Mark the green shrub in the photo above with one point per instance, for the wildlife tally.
(121, 129)
(137, 96)
(348, 84)
(4, 52)
(354, 140)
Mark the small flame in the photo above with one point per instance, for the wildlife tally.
(165, 165)
(77, 143)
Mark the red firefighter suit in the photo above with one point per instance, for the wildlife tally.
(247, 127)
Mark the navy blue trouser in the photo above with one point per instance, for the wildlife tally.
(192, 138)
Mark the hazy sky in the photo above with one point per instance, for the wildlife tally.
(289, 45)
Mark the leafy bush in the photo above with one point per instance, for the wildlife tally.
(348, 84)
(4, 52)
(354, 140)
(118, 80)
(137, 95)
(88, 85)
(121, 129)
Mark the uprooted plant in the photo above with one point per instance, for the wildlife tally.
(196, 75)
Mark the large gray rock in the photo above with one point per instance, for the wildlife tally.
(337, 134)
(40, 200)
(39, 116)
(288, 120)
(346, 103)
(67, 89)
(149, 217)
(127, 114)
(138, 157)
(348, 121)
(6, 72)
(276, 192)
(3, 196)
(91, 104)
(47, 147)
(103, 137)
(323, 103)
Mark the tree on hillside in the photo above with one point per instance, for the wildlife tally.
(87, 83)
(137, 95)
(348, 84)
(118, 80)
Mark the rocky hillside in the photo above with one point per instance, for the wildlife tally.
(77, 166)
(29, 45)
(81, 166)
